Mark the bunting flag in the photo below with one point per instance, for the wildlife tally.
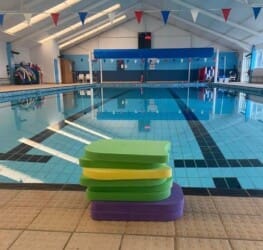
(111, 16)
(165, 14)
(82, 17)
(55, 17)
(226, 13)
(2, 19)
(138, 15)
(28, 17)
(256, 11)
(194, 13)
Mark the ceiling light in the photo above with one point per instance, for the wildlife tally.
(35, 19)
(79, 24)
(88, 33)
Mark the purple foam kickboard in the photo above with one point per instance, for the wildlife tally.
(165, 210)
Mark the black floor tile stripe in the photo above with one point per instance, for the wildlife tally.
(186, 190)
(190, 163)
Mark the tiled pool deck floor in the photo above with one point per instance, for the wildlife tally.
(58, 219)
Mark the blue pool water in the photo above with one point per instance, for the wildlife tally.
(216, 134)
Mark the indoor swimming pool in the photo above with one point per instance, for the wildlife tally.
(215, 134)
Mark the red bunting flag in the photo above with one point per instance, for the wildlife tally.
(55, 17)
(226, 13)
(138, 15)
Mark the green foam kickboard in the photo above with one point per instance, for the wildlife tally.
(148, 189)
(127, 196)
(87, 182)
(142, 151)
(86, 162)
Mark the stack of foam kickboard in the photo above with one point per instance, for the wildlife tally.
(130, 180)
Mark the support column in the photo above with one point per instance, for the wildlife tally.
(101, 75)
(10, 62)
(216, 65)
(189, 70)
(90, 68)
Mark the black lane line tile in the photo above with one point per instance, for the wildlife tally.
(195, 191)
(244, 162)
(190, 163)
(179, 163)
(222, 163)
(255, 192)
(255, 163)
(211, 163)
(233, 163)
(228, 192)
(233, 182)
(220, 183)
(200, 163)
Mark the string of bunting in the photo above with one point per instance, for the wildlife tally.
(194, 12)
(138, 14)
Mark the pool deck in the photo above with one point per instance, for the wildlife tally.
(60, 219)
(32, 218)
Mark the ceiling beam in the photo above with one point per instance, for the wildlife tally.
(80, 32)
(216, 17)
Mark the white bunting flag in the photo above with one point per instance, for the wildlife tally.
(194, 13)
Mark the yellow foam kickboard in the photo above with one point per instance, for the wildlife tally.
(127, 174)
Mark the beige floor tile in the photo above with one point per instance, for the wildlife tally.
(200, 225)
(88, 225)
(246, 245)
(17, 217)
(57, 219)
(236, 205)
(31, 198)
(6, 195)
(94, 241)
(150, 228)
(201, 244)
(258, 203)
(199, 204)
(68, 199)
(41, 240)
(243, 226)
(7, 237)
(133, 242)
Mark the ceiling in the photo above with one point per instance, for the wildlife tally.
(240, 32)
